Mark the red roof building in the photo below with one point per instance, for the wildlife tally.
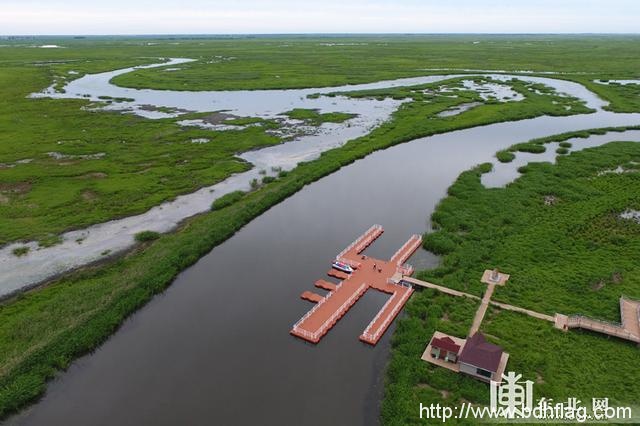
(444, 348)
(480, 358)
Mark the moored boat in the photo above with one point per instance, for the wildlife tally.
(341, 266)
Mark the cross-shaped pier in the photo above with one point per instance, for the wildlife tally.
(381, 275)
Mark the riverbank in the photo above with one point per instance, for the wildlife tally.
(97, 301)
(560, 236)
(65, 165)
(418, 112)
(75, 314)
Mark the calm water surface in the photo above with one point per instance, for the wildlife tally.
(214, 349)
(42, 263)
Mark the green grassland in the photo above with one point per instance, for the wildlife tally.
(43, 330)
(296, 62)
(537, 146)
(283, 62)
(110, 164)
(107, 164)
(271, 63)
(622, 98)
(573, 256)
(315, 118)
(429, 100)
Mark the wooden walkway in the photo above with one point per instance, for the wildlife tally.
(326, 285)
(369, 273)
(337, 274)
(628, 329)
(533, 314)
(482, 310)
(389, 311)
(407, 249)
(630, 313)
(484, 302)
(442, 289)
(311, 297)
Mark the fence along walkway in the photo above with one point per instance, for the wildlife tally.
(368, 273)
(630, 313)
(629, 329)
(482, 310)
(358, 246)
(406, 250)
(457, 293)
(319, 320)
(447, 290)
(383, 319)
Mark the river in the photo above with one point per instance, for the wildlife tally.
(214, 347)
(83, 246)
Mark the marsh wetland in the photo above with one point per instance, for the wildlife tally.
(128, 144)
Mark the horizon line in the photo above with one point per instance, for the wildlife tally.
(319, 34)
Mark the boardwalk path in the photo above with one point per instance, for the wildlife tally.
(484, 302)
(629, 329)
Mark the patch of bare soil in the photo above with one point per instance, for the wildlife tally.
(598, 285)
(445, 393)
(217, 117)
(616, 277)
(16, 188)
(89, 195)
(94, 175)
(169, 110)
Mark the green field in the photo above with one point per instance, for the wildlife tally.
(104, 164)
(275, 63)
(112, 165)
(573, 256)
(44, 330)
(87, 166)
(281, 62)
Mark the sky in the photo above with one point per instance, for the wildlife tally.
(55, 17)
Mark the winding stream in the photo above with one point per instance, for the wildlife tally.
(214, 348)
(83, 246)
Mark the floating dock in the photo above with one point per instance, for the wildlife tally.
(368, 273)
(326, 285)
(311, 297)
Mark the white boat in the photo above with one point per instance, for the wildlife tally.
(341, 266)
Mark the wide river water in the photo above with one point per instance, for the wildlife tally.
(214, 348)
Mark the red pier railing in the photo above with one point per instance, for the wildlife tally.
(368, 273)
